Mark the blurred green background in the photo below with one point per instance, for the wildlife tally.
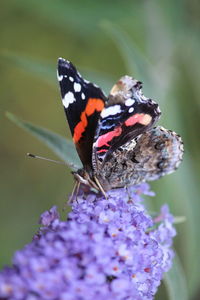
(156, 42)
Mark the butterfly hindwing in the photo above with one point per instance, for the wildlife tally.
(83, 103)
(151, 155)
(158, 152)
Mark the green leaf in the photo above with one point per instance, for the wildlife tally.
(191, 240)
(135, 61)
(35, 67)
(75, 14)
(62, 147)
(175, 282)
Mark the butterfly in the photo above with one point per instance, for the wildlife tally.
(115, 135)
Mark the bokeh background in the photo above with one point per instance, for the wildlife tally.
(157, 42)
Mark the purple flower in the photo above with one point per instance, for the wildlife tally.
(110, 249)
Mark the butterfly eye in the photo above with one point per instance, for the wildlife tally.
(163, 164)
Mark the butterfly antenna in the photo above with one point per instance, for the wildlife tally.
(48, 159)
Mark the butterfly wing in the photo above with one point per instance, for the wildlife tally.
(83, 103)
(158, 152)
(127, 114)
(151, 155)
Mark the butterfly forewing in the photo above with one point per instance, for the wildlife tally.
(83, 103)
(127, 114)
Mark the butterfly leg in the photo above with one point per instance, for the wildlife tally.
(100, 187)
(77, 189)
(74, 193)
(130, 199)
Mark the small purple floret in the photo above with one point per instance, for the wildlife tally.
(107, 249)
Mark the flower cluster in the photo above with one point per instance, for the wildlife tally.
(107, 249)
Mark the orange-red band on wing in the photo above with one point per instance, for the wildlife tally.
(93, 104)
(143, 119)
(105, 138)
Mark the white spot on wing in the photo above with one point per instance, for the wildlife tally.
(68, 99)
(158, 109)
(60, 77)
(131, 109)
(83, 96)
(96, 85)
(129, 102)
(71, 78)
(77, 87)
(110, 111)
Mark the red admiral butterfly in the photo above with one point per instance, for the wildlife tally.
(114, 135)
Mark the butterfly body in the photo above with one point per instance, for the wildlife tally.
(115, 136)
